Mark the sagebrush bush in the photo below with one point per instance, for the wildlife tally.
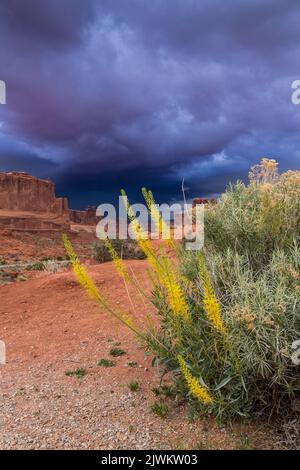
(255, 220)
(253, 253)
(251, 370)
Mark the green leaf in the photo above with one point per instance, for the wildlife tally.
(223, 383)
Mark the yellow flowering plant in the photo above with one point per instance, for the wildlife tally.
(228, 314)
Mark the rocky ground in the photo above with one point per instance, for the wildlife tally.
(25, 246)
(51, 328)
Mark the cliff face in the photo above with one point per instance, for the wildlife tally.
(86, 217)
(23, 192)
(29, 203)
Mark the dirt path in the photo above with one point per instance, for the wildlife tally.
(50, 327)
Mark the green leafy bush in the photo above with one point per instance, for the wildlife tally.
(134, 386)
(252, 253)
(257, 219)
(79, 373)
(126, 249)
(160, 408)
(249, 370)
(106, 363)
(116, 352)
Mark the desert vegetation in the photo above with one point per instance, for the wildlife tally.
(229, 313)
(126, 249)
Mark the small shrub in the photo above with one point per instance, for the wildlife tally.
(116, 352)
(38, 266)
(163, 391)
(127, 249)
(160, 408)
(106, 363)
(79, 373)
(54, 266)
(134, 386)
(133, 364)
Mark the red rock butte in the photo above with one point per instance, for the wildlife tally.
(29, 203)
(23, 192)
(199, 201)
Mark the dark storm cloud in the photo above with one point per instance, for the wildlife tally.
(53, 23)
(132, 92)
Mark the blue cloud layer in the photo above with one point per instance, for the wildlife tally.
(128, 91)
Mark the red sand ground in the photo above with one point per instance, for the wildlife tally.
(50, 326)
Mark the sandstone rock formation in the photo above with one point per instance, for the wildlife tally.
(200, 200)
(29, 203)
(20, 191)
(86, 217)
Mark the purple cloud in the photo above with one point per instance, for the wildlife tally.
(161, 88)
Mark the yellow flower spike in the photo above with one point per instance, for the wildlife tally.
(195, 387)
(140, 233)
(163, 268)
(117, 261)
(167, 278)
(176, 299)
(211, 303)
(86, 281)
(213, 309)
(156, 215)
(141, 236)
(81, 273)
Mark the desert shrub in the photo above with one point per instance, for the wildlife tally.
(256, 219)
(249, 368)
(132, 364)
(55, 266)
(160, 408)
(106, 363)
(253, 256)
(126, 249)
(134, 386)
(230, 313)
(79, 373)
(116, 352)
(38, 266)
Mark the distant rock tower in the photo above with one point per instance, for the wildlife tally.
(20, 191)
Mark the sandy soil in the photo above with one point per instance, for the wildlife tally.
(24, 246)
(50, 326)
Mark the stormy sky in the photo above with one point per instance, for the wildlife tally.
(105, 94)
